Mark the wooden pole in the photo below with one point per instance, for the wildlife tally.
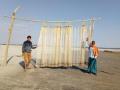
(10, 34)
(91, 30)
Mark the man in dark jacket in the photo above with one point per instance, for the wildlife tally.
(26, 51)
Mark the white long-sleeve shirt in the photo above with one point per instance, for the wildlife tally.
(90, 49)
(90, 52)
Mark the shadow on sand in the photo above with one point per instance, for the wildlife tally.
(73, 67)
(81, 69)
(33, 62)
(22, 64)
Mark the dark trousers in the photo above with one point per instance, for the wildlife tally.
(92, 65)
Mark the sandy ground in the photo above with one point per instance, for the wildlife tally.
(13, 77)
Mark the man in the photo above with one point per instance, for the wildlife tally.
(26, 51)
(93, 54)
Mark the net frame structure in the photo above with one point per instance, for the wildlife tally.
(62, 34)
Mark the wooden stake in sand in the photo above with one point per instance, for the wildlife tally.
(10, 34)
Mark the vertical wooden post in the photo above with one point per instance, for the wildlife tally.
(91, 30)
(10, 34)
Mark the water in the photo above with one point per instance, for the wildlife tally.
(114, 50)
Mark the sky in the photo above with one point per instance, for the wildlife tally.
(106, 30)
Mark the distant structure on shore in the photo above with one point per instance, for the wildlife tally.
(110, 49)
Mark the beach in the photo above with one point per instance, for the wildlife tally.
(13, 76)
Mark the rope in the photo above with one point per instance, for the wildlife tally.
(40, 21)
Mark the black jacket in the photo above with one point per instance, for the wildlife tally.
(27, 46)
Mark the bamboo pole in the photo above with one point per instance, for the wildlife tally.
(10, 34)
(91, 29)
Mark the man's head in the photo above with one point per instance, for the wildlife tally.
(29, 38)
(93, 43)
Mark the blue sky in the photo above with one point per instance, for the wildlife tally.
(107, 30)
